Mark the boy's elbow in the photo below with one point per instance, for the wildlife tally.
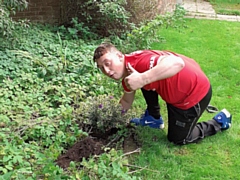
(177, 62)
(181, 63)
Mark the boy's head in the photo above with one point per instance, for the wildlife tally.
(103, 49)
(110, 61)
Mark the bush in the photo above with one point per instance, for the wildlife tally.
(7, 7)
(102, 113)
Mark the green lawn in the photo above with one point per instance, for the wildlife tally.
(228, 7)
(215, 46)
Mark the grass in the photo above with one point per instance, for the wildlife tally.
(227, 7)
(215, 46)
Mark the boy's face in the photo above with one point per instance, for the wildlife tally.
(112, 65)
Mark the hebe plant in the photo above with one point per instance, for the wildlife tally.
(103, 112)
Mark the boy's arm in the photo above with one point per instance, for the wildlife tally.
(127, 100)
(166, 67)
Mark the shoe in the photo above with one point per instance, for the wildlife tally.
(148, 120)
(224, 118)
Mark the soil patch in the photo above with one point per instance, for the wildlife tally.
(93, 145)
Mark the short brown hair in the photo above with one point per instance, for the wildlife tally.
(103, 49)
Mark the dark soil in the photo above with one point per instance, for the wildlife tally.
(92, 145)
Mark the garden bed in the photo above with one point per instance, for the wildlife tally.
(95, 143)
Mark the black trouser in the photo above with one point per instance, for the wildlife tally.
(183, 127)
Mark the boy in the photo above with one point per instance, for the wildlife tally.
(179, 81)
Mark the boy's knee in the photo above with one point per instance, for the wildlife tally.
(176, 141)
(183, 141)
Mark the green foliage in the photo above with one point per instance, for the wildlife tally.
(43, 78)
(50, 89)
(114, 16)
(26, 161)
(22, 142)
(77, 30)
(111, 165)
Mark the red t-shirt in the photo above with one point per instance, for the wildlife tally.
(183, 90)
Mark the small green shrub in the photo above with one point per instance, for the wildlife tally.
(102, 113)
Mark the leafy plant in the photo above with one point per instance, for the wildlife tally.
(111, 165)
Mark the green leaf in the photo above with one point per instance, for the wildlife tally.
(18, 159)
